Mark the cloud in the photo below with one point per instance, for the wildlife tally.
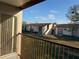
(48, 17)
(62, 21)
(51, 16)
(41, 18)
(53, 11)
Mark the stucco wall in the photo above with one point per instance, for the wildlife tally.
(77, 32)
(44, 29)
(35, 28)
(66, 32)
(49, 30)
(28, 27)
(19, 30)
(58, 31)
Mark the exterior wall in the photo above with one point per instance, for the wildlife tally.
(56, 31)
(44, 29)
(35, 28)
(59, 31)
(67, 31)
(28, 27)
(10, 10)
(19, 30)
(49, 30)
(76, 32)
(62, 31)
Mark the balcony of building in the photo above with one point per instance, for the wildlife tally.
(38, 47)
(11, 26)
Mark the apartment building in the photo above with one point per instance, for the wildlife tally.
(11, 26)
(67, 29)
(40, 28)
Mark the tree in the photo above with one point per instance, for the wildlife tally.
(73, 13)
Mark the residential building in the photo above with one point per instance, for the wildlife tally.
(67, 29)
(40, 28)
(11, 26)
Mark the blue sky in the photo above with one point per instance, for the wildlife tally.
(49, 11)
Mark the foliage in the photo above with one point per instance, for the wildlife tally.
(73, 13)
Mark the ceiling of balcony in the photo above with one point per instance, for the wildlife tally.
(15, 2)
(21, 3)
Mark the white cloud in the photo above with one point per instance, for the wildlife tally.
(48, 17)
(53, 11)
(36, 17)
(62, 22)
(51, 16)
(41, 18)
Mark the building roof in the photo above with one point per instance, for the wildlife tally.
(38, 24)
(21, 3)
(67, 25)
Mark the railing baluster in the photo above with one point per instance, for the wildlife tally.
(48, 50)
(42, 51)
(63, 53)
(59, 52)
(34, 48)
(39, 50)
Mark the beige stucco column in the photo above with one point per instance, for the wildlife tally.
(19, 30)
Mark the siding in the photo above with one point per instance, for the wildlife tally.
(10, 10)
(8, 32)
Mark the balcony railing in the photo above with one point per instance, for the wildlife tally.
(38, 48)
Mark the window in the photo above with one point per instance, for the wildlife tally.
(7, 32)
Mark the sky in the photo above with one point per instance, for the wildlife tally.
(49, 11)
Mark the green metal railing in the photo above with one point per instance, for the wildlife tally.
(38, 48)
